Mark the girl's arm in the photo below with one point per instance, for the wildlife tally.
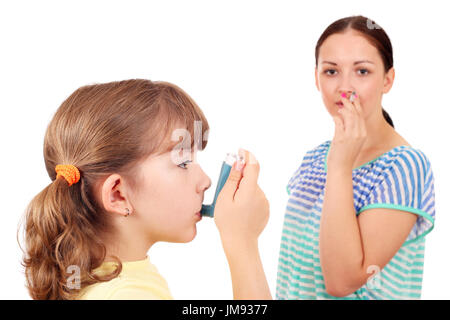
(247, 273)
(241, 213)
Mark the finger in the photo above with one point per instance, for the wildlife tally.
(350, 114)
(232, 184)
(250, 173)
(347, 104)
(359, 111)
(357, 104)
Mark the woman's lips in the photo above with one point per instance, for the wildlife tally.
(340, 104)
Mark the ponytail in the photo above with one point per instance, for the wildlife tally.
(62, 248)
(388, 118)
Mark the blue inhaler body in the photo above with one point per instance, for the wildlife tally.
(208, 210)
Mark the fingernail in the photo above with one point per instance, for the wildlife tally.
(352, 96)
(239, 164)
(343, 95)
(240, 159)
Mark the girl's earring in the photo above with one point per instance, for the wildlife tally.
(128, 212)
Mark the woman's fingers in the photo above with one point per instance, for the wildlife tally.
(353, 118)
(350, 114)
(357, 104)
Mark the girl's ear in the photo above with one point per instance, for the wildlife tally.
(388, 80)
(113, 195)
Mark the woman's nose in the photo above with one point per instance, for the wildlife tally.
(346, 82)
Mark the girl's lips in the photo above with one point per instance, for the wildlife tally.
(340, 104)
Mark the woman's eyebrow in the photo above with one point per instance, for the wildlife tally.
(354, 63)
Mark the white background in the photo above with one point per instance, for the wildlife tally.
(250, 66)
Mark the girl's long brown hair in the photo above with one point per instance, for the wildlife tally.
(372, 32)
(101, 129)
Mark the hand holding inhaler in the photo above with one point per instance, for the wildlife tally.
(241, 210)
(350, 133)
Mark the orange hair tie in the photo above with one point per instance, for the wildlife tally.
(69, 172)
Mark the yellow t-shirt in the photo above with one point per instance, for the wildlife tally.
(137, 280)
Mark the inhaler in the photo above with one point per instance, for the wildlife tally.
(227, 164)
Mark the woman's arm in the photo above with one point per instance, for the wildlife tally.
(352, 248)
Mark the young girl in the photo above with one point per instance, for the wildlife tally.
(361, 204)
(122, 181)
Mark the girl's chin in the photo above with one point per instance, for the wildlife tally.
(188, 236)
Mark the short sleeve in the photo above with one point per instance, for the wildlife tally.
(406, 183)
(298, 172)
(293, 181)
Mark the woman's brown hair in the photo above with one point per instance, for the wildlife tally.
(101, 129)
(372, 32)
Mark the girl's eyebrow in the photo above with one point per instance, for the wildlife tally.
(354, 63)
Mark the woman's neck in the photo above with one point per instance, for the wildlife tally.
(380, 135)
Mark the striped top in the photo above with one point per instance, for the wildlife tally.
(398, 179)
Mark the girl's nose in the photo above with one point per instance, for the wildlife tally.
(205, 182)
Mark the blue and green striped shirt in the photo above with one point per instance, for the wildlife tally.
(399, 179)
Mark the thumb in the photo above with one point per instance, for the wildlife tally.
(250, 172)
(232, 184)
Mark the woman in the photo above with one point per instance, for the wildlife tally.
(361, 204)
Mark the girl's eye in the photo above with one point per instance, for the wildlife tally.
(326, 71)
(183, 164)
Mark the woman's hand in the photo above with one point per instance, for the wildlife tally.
(242, 210)
(349, 136)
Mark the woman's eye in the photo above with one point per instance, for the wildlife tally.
(183, 164)
(366, 71)
(333, 72)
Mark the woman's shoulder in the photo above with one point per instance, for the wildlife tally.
(406, 164)
(318, 150)
(406, 154)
